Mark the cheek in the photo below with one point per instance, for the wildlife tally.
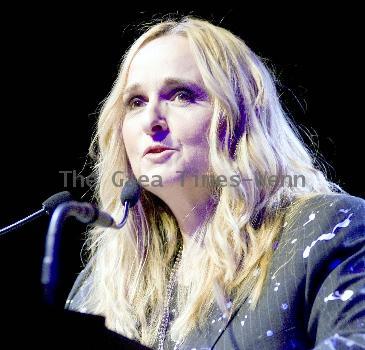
(128, 137)
(195, 130)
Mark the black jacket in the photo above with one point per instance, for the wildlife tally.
(314, 296)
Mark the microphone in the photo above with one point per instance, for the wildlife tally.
(129, 198)
(51, 203)
(86, 213)
(48, 207)
(130, 193)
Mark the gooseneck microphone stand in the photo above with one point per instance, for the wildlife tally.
(85, 213)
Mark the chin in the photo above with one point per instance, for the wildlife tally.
(158, 178)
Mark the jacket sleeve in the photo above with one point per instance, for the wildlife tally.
(80, 290)
(335, 278)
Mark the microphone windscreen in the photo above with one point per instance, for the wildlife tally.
(51, 203)
(130, 192)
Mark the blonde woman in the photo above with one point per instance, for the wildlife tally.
(238, 241)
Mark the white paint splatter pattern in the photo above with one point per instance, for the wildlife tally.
(344, 210)
(311, 218)
(346, 295)
(327, 236)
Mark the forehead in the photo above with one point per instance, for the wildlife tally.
(168, 56)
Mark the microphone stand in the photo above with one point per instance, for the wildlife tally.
(84, 212)
(76, 322)
(49, 276)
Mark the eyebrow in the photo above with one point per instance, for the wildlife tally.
(168, 82)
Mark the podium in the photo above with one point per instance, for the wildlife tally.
(44, 327)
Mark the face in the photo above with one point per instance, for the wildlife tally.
(168, 113)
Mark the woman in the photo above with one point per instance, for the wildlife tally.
(248, 259)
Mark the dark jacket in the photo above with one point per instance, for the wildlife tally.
(314, 296)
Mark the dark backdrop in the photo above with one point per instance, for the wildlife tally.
(59, 64)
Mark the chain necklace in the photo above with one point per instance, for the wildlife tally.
(166, 314)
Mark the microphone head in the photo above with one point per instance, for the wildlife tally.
(51, 203)
(130, 192)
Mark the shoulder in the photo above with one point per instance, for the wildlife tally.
(322, 205)
(320, 232)
(327, 215)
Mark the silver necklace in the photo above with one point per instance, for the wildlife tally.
(166, 314)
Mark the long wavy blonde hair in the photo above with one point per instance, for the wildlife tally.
(250, 136)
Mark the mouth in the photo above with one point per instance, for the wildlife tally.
(157, 150)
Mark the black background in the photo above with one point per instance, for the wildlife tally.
(59, 64)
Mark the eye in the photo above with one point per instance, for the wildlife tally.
(184, 96)
(135, 102)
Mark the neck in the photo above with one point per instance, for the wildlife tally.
(190, 206)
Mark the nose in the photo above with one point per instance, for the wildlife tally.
(154, 121)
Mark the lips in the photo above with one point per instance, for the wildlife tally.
(156, 149)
